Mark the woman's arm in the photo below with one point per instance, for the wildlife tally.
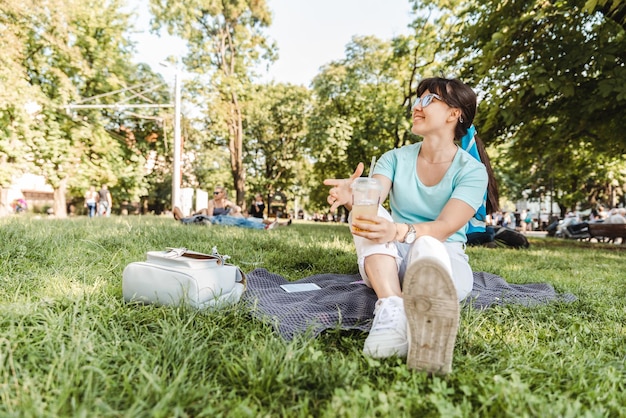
(210, 207)
(233, 209)
(340, 193)
(455, 214)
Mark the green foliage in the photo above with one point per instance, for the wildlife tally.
(275, 128)
(552, 77)
(72, 347)
(62, 52)
(359, 109)
(225, 43)
(362, 102)
(612, 9)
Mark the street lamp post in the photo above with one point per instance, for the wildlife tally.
(176, 170)
(176, 175)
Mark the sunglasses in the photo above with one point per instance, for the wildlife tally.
(425, 101)
(217, 192)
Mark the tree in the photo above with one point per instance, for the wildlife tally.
(276, 128)
(67, 50)
(43, 38)
(363, 102)
(551, 77)
(225, 44)
(20, 101)
(116, 143)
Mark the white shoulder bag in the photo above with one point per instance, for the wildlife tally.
(178, 276)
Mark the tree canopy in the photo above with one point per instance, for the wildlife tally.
(225, 42)
(551, 78)
(60, 52)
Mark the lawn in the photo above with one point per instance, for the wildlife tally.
(70, 346)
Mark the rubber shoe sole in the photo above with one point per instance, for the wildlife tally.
(432, 309)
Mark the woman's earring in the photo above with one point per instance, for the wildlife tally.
(461, 119)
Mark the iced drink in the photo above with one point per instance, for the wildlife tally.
(365, 198)
(358, 210)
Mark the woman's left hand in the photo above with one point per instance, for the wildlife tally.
(340, 193)
(374, 228)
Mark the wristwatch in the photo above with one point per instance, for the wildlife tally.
(410, 236)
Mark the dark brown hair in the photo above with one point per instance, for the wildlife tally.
(493, 196)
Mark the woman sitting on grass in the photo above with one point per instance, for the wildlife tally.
(414, 258)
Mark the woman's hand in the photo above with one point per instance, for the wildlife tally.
(233, 208)
(374, 228)
(340, 193)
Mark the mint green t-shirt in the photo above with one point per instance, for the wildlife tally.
(413, 202)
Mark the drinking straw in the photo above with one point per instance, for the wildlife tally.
(372, 166)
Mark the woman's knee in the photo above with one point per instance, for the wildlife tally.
(374, 266)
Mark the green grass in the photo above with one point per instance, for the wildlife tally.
(70, 346)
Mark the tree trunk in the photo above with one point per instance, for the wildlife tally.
(236, 151)
(60, 203)
(4, 202)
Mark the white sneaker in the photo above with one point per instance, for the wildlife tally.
(272, 225)
(387, 336)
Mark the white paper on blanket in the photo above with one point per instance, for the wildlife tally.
(299, 287)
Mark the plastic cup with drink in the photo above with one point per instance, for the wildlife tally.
(365, 198)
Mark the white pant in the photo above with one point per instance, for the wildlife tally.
(449, 253)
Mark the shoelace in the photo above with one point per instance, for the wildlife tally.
(386, 316)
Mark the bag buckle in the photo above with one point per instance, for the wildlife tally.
(172, 252)
(222, 257)
(175, 252)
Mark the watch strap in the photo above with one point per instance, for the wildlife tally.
(410, 231)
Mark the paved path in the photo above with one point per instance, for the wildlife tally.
(539, 234)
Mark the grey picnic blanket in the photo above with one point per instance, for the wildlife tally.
(345, 302)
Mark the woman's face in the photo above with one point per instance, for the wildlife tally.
(218, 194)
(429, 113)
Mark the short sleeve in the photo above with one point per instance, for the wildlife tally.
(471, 184)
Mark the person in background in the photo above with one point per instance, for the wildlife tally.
(496, 218)
(522, 220)
(616, 216)
(413, 257)
(220, 205)
(91, 201)
(508, 220)
(105, 201)
(19, 205)
(221, 211)
(570, 226)
(257, 208)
